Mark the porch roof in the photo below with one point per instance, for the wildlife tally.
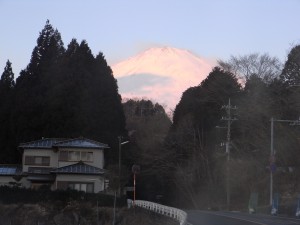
(79, 168)
(10, 170)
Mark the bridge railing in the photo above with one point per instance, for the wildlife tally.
(174, 213)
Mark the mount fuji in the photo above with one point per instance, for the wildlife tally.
(161, 74)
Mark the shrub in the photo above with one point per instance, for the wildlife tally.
(16, 195)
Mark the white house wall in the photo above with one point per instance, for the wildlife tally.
(98, 157)
(97, 180)
(53, 153)
(41, 152)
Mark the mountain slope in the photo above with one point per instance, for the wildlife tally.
(160, 74)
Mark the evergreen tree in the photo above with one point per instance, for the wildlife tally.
(291, 71)
(64, 93)
(7, 81)
(193, 134)
(253, 126)
(35, 84)
(205, 100)
(7, 84)
(86, 100)
(67, 93)
(147, 125)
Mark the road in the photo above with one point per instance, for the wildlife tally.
(197, 217)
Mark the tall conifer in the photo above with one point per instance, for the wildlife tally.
(35, 84)
(7, 84)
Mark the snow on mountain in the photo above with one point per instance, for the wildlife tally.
(161, 74)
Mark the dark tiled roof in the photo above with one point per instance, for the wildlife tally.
(10, 170)
(39, 170)
(48, 143)
(41, 177)
(43, 143)
(80, 143)
(79, 168)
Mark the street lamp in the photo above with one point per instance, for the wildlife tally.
(272, 157)
(120, 150)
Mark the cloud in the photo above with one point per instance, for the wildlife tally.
(140, 83)
(161, 74)
(161, 89)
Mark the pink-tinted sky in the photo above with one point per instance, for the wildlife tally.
(210, 28)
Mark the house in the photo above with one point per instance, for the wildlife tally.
(59, 163)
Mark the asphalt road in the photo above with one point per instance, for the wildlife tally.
(197, 217)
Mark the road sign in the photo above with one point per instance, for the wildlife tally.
(273, 167)
(135, 169)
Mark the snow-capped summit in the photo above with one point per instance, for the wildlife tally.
(161, 74)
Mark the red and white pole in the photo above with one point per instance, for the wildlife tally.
(133, 189)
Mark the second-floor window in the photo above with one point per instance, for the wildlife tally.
(37, 160)
(75, 156)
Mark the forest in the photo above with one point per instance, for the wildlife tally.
(188, 160)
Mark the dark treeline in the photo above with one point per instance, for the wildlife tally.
(61, 93)
(199, 159)
(67, 92)
(147, 124)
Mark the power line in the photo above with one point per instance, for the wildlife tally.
(229, 120)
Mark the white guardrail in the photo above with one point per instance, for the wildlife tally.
(177, 214)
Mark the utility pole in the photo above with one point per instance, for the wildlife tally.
(271, 160)
(120, 166)
(272, 156)
(120, 153)
(229, 120)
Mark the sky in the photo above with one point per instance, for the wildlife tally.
(120, 29)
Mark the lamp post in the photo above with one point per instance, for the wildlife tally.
(272, 156)
(120, 154)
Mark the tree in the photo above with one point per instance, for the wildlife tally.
(67, 93)
(7, 85)
(35, 83)
(86, 100)
(286, 88)
(7, 79)
(264, 66)
(291, 71)
(147, 124)
(193, 133)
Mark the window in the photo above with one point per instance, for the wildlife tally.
(76, 156)
(63, 155)
(77, 187)
(86, 187)
(83, 187)
(90, 188)
(37, 160)
(62, 185)
(87, 156)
